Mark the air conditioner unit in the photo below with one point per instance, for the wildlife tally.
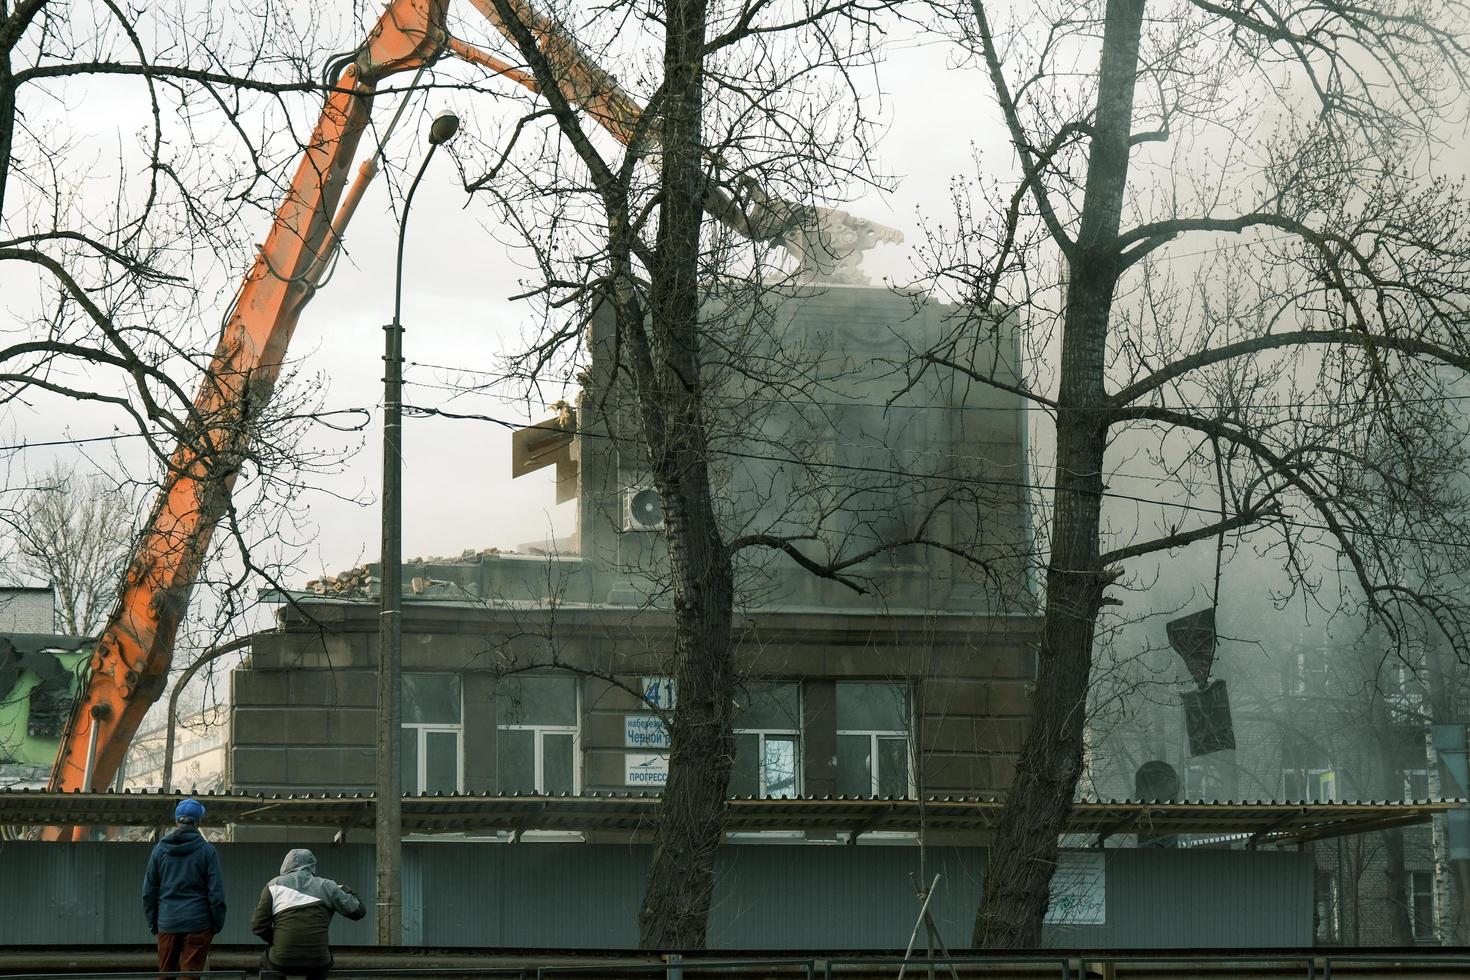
(643, 509)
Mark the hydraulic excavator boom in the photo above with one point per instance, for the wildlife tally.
(129, 667)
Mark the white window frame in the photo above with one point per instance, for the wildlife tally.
(875, 733)
(538, 750)
(421, 751)
(785, 734)
(420, 742)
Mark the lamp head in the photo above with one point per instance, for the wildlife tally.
(443, 128)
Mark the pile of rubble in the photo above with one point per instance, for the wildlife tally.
(355, 581)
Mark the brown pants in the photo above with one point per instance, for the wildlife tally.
(183, 955)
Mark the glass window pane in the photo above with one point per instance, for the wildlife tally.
(854, 775)
(556, 761)
(746, 771)
(441, 762)
(893, 767)
(430, 699)
(778, 770)
(864, 706)
(536, 699)
(768, 706)
(515, 761)
(408, 764)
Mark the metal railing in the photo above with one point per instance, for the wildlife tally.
(832, 968)
(676, 967)
(1412, 960)
(133, 975)
(1072, 965)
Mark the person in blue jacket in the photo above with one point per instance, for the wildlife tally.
(184, 896)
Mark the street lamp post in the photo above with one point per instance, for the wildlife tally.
(388, 823)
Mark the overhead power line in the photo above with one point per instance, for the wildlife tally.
(904, 405)
(1212, 511)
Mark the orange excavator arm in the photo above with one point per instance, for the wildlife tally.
(130, 665)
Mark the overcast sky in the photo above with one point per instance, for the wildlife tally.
(458, 315)
(457, 490)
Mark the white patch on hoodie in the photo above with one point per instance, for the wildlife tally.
(284, 897)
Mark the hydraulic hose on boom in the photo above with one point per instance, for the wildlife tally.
(129, 667)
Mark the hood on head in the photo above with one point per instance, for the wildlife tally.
(297, 858)
(183, 839)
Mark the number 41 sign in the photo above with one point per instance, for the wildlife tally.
(659, 692)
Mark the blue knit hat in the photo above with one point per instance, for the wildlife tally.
(189, 811)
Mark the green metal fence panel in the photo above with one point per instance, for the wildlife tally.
(792, 896)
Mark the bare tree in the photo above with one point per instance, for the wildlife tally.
(659, 251)
(74, 531)
(1284, 373)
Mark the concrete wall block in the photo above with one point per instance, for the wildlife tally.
(603, 769)
(258, 726)
(1012, 661)
(782, 659)
(440, 651)
(267, 766)
(312, 688)
(354, 688)
(260, 687)
(944, 696)
(1002, 772)
(478, 688)
(318, 651)
(265, 650)
(600, 695)
(479, 748)
(956, 773)
(321, 766)
(307, 726)
(949, 734)
(1010, 699)
(352, 726)
(999, 734)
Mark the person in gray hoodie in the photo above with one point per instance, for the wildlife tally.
(294, 913)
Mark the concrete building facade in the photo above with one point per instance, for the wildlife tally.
(546, 672)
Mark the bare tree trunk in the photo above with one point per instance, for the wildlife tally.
(676, 904)
(1018, 877)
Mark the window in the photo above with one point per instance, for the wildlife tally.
(1416, 784)
(1421, 904)
(1403, 686)
(1203, 781)
(767, 741)
(1306, 670)
(1307, 775)
(1327, 907)
(873, 739)
(432, 754)
(536, 734)
(1309, 785)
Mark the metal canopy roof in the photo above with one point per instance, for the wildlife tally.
(1263, 822)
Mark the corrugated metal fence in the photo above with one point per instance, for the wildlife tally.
(586, 896)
